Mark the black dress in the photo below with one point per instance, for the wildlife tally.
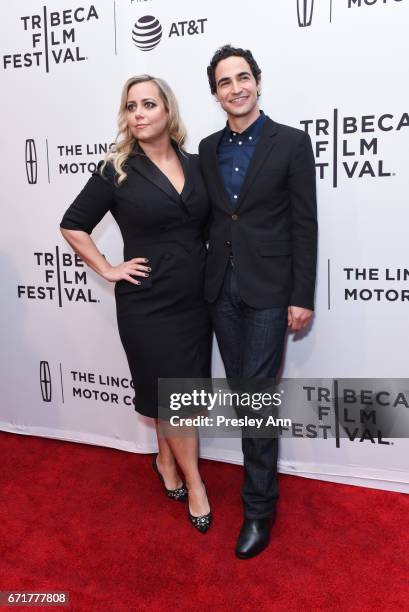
(164, 323)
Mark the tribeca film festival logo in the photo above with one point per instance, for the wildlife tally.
(53, 38)
(360, 414)
(348, 147)
(69, 158)
(92, 386)
(305, 8)
(147, 31)
(64, 279)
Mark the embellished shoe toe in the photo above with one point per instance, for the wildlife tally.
(177, 494)
(202, 523)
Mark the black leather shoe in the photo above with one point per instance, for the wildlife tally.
(179, 494)
(254, 537)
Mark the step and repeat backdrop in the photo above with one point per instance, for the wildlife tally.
(333, 68)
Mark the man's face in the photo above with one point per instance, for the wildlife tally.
(236, 86)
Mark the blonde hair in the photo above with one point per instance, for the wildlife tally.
(125, 140)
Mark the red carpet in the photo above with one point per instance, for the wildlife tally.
(95, 522)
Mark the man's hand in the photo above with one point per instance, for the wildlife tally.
(298, 318)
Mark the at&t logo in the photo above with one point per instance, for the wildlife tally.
(147, 31)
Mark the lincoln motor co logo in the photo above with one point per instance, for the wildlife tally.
(305, 10)
(85, 385)
(31, 161)
(45, 381)
(62, 159)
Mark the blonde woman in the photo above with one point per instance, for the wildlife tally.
(155, 192)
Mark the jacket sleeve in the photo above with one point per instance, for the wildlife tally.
(303, 201)
(92, 203)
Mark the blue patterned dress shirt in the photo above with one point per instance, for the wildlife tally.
(234, 154)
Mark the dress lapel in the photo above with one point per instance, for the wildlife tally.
(141, 163)
(188, 187)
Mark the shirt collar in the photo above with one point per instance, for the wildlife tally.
(251, 133)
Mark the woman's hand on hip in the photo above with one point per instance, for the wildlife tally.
(138, 266)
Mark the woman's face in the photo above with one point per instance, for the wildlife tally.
(146, 113)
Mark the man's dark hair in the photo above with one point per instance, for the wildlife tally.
(229, 51)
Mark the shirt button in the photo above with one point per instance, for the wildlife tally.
(239, 141)
(236, 169)
(250, 137)
(235, 197)
(230, 140)
(234, 134)
(235, 217)
(228, 243)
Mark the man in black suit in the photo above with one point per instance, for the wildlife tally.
(260, 277)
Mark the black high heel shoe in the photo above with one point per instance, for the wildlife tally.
(179, 494)
(201, 523)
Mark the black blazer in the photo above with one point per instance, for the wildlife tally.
(272, 232)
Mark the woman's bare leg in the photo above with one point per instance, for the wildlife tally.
(166, 462)
(185, 450)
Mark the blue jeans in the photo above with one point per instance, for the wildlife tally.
(251, 343)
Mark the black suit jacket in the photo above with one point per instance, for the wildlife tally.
(272, 232)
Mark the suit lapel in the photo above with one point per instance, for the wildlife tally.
(215, 172)
(263, 148)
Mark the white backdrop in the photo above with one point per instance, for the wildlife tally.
(336, 70)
